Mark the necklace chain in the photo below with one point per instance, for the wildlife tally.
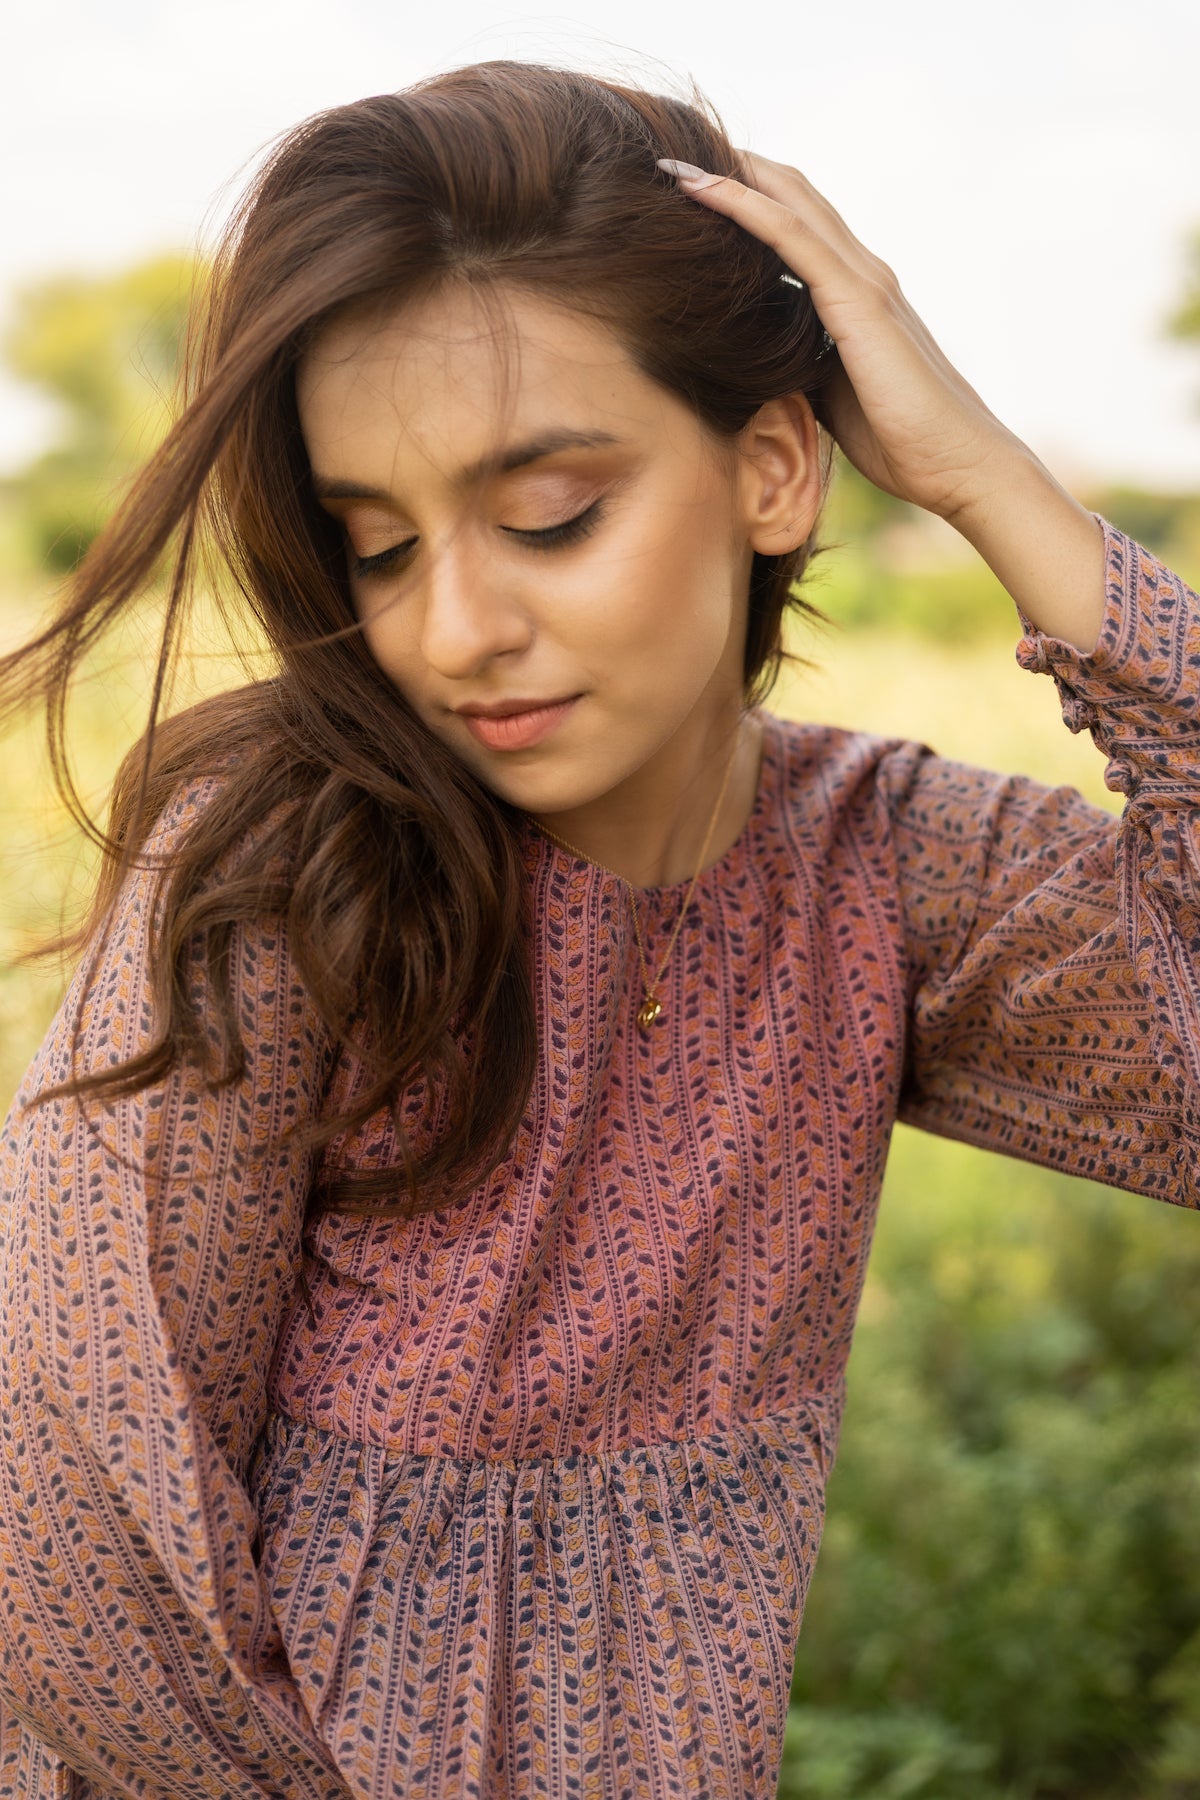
(651, 1007)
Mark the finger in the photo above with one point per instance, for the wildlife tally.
(792, 188)
(782, 182)
(793, 227)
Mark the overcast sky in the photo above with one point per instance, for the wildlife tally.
(1031, 171)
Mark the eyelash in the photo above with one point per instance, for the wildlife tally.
(571, 531)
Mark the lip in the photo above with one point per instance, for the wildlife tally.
(516, 724)
(504, 709)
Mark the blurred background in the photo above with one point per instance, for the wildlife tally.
(1007, 1604)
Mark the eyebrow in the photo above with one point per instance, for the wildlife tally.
(501, 463)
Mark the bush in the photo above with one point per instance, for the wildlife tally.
(1009, 1586)
(830, 1755)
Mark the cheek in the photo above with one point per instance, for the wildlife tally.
(388, 640)
(677, 580)
(668, 603)
(690, 588)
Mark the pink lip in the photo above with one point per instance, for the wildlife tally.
(518, 730)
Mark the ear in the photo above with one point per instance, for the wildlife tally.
(779, 475)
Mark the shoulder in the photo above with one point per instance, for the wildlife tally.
(831, 771)
(866, 794)
(895, 803)
(840, 770)
(195, 950)
(222, 820)
(207, 848)
(189, 801)
(224, 794)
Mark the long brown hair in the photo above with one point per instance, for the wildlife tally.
(398, 874)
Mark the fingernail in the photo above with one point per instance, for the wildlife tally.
(687, 174)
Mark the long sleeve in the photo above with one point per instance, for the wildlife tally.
(149, 1247)
(1053, 951)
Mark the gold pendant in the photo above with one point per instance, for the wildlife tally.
(648, 1011)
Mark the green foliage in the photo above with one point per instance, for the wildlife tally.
(860, 590)
(888, 571)
(834, 1755)
(1173, 1770)
(1008, 1598)
(896, 570)
(1167, 524)
(1156, 520)
(1184, 322)
(107, 351)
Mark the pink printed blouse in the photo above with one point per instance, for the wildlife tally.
(526, 1507)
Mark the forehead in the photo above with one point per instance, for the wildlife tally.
(463, 370)
(461, 342)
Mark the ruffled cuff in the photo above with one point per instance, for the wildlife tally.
(1138, 691)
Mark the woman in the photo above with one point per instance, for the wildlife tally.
(438, 1212)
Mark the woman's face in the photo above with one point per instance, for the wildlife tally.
(599, 569)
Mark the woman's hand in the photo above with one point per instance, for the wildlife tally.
(906, 418)
(902, 414)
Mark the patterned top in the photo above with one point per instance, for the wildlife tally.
(529, 1502)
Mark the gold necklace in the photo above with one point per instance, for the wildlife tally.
(651, 1007)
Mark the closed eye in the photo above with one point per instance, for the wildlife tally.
(570, 531)
(382, 559)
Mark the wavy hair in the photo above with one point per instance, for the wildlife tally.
(397, 872)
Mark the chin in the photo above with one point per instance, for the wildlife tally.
(544, 789)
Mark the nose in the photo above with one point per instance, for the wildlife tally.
(470, 614)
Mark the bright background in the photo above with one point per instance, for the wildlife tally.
(1029, 170)
(1007, 1605)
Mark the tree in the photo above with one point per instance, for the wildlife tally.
(1184, 322)
(107, 351)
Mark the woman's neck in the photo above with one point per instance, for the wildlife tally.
(651, 830)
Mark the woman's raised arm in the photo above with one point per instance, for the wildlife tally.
(904, 415)
(1054, 951)
(149, 1245)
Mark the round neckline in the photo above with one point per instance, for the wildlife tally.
(762, 793)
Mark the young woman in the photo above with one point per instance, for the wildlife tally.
(436, 1218)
